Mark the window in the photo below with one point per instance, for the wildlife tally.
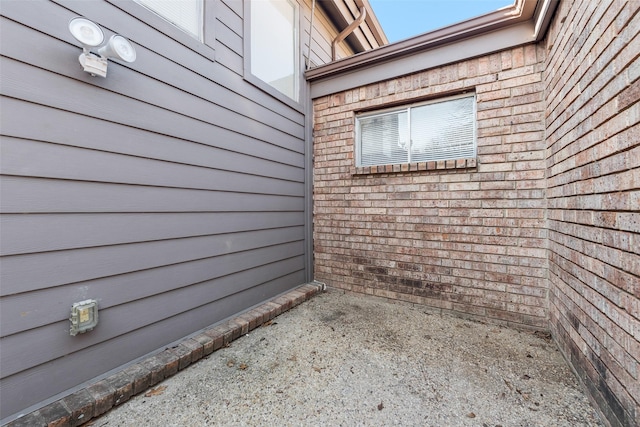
(443, 129)
(274, 45)
(185, 14)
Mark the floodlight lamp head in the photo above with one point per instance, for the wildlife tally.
(119, 48)
(88, 33)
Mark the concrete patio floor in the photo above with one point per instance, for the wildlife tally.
(350, 359)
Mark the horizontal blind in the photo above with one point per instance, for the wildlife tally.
(441, 130)
(384, 139)
(186, 14)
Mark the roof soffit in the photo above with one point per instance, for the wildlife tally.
(343, 12)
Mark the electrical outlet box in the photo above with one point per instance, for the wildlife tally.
(84, 316)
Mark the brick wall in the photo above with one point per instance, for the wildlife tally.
(593, 169)
(468, 236)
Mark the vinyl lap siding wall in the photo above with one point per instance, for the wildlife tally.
(324, 33)
(593, 168)
(172, 191)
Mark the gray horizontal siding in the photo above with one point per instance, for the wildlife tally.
(23, 311)
(37, 195)
(23, 234)
(228, 36)
(24, 157)
(34, 385)
(29, 272)
(154, 74)
(230, 59)
(229, 13)
(323, 35)
(172, 191)
(18, 353)
(228, 151)
(191, 113)
(235, 5)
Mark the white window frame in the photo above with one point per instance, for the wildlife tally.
(198, 34)
(296, 102)
(407, 109)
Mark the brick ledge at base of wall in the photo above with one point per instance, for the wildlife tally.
(101, 396)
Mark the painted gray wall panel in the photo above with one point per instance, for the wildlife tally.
(236, 6)
(29, 272)
(38, 383)
(153, 41)
(40, 195)
(230, 59)
(17, 354)
(173, 191)
(227, 151)
(160, 68)
(24, 311)
(153, 44)
(150, 113)
(23, 157)
(229, 18)
(51, 18)
(229, 38)
(24, 233)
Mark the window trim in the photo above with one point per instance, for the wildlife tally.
(204, 47)
(407, 107)
(200, 4)
(261, 84)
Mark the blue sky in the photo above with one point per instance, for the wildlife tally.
(401, 19)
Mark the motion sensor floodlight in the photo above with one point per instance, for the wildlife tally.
(90, 35)
(86, 32)
(119, 48)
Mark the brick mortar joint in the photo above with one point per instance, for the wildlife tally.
(286, 301)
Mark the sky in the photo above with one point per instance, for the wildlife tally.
(401, 19)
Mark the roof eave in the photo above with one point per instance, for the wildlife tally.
(342, 13)
(535, 14)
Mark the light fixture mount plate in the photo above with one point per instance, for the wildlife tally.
(93, 64)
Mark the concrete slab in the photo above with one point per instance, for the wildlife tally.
(350, 359)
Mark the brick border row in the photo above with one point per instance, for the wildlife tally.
(99, 397)
(416, 167)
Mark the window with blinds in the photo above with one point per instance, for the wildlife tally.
(443, 129)
(185, 14)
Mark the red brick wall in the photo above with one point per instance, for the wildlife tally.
(593, 168)
(466, 237)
